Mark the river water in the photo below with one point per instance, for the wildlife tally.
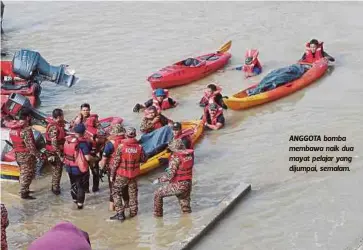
(114, 46)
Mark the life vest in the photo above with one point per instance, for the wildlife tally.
(165, 104)
(248, 69)
(16, 127)
(115, 140)
(90, 121)
(214, 118)
(185, 169)
(60, 138)
(309, 57)
(186, 134)
(156, 125)
(130, 158)
(70, 148)
(206, 99)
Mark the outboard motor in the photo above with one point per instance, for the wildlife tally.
(30, 65)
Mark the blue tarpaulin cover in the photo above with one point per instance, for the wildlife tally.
(157, 140)
(278, 77)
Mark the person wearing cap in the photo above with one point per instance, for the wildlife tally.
(213, 117)
(314, 51)
(153, 120)
(124, 169)
(212, 94)
(117, 135)
(55, 138)
(252, 65)
(63, 236)
(74, 145)
(160, 99)
(179, 176)
(26, 153)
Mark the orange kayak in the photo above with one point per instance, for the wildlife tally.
(242, 101)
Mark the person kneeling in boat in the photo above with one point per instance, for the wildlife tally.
(178, 136)
(77, 151)
(212, 94)
(252, 66)
(160, 99)
(314, 52)
(124, 170)
(153, 120)
(179, 174)
(117, 135)
(213, 117)
(55, 138)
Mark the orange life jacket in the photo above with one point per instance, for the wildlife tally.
(60, 138)
(214, 118)
(185, 169)
(16, 128)
(165, 104)
(71, 146)
(130, 159)
(186, 134)
(248, 68)
(206, 99)
(115, 140)
(90, 121)
(310, 57)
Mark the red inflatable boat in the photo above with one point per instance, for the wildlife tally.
(16, 85)
(190, 69)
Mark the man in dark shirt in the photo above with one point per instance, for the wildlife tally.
(213, 117)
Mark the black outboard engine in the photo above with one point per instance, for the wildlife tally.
(30, 65)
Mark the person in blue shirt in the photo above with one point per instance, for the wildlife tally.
(77, 173)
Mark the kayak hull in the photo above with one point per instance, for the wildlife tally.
(153, 162)
(31, 91)
(242, 101)
(178, 74)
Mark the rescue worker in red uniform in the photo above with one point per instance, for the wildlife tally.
(314, 51)
(252, 65)
(213, 117)
(160, 100)
(117, 135)
(179, 174)
(4, 225)
(26, 153)
(212, 94)
(76, 157)
(126, 167)
(55, 138)
(153, 120)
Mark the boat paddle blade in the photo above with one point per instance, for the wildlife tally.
(225, 47)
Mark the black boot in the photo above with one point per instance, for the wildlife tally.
(95, 179)
(120, 217)
(79, 205)
(26, 196)
(56, 192)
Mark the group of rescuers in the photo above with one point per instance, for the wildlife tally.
(82, 150)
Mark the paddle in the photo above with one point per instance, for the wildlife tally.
(225, 47)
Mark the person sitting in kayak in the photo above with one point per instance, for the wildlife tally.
(314, 52)
(160, 100)
(212, 94)
(213, 117)
(153, 120)
(191, 62)
(252, 66)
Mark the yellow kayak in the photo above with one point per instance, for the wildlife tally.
(153, 162)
